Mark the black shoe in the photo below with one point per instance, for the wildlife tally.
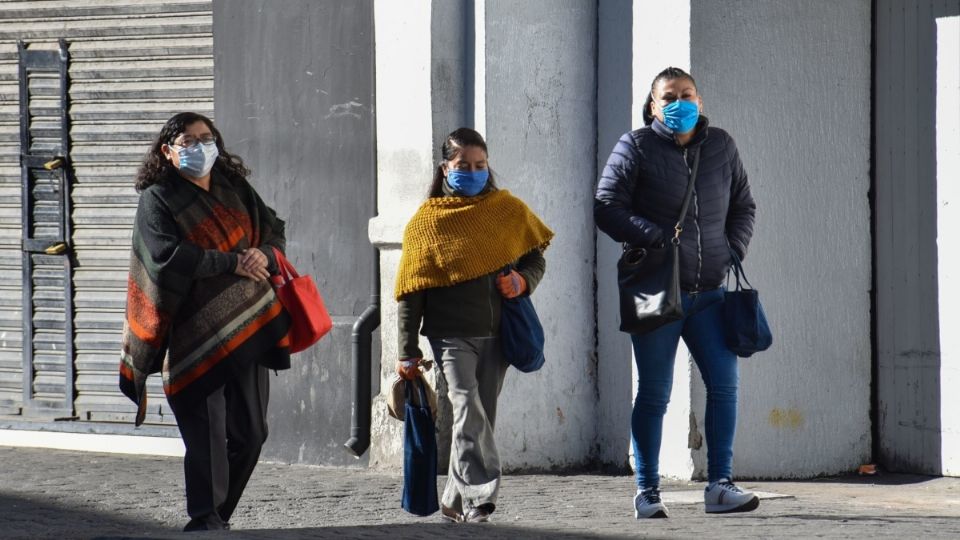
(480, 514)
(209, 523)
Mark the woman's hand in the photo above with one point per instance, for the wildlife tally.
(408, 369)
(252, 264)
(511, 285)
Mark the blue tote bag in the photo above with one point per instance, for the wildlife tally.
(521, 334)
(745, 324)
(419, 454)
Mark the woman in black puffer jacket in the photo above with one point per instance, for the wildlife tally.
(638, 201)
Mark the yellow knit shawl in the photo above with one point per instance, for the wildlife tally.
(451, 240)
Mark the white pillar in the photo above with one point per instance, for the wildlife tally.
(661, 38)
(948, 243)
(404, 170)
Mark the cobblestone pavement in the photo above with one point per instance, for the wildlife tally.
(59, 494)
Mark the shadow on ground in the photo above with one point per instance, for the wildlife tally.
(26, 518)
(879, 479)
(389, 531)
(23, 517)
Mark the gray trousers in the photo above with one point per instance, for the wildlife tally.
(474, 370)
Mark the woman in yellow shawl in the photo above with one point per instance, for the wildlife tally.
(450, 279)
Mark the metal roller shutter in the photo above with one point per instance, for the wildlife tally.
(133, 64)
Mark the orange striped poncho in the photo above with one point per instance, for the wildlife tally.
(188, 315)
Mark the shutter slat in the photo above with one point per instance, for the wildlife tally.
(133, 65)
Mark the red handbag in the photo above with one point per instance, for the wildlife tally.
(309, 319)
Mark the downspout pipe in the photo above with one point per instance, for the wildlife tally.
(369, 320)
(362, 359)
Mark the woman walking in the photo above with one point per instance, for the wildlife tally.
(450, 280)
(201, 310)
(638, 201)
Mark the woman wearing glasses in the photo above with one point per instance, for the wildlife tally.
(201, 310)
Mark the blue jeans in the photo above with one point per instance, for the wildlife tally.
(702, 331)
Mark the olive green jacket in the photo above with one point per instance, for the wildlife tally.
(468, 309)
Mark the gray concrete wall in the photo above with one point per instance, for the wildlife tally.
(615, 96)
(790, 80)
(908, 341)
(542, 133)
(294, 98)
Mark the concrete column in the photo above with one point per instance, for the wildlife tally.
(404, 169)
(541, 129)
(615, 98)
(948, 244)
(802, 125)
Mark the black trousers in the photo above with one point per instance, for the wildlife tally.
(223, 435)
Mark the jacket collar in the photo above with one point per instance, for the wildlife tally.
(702, 129)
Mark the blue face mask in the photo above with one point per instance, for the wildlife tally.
(468, 183)
(681, 116)
(197, 160)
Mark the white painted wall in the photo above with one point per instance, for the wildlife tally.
(790, 80)
(404, 170)
(661, 38)
(948, 243)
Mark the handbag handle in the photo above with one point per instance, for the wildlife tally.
(737, 267)
(285, 270)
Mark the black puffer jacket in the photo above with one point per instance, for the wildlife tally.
(642, 187)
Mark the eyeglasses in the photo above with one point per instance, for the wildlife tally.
(188, 140)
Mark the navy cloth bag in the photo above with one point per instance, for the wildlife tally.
(419, 454)
(521, 334)
(745, 324)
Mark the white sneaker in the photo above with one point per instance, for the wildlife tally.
(724, 497)
(647, 504)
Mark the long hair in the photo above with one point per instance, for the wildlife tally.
(456, 141)
(156, 169)
(668, 74)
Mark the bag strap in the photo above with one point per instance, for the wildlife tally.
(678, 228)
(736, 265)
(284, 268)
(687, 197)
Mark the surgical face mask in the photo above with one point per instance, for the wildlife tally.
(197, 160)
(681, 116)
(467, 183)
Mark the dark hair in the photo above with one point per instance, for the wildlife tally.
(156, 169)
(456, 141)
(668, 74)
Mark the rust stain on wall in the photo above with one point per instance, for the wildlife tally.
(786, 418)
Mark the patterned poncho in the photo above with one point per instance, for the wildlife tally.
(451, 240)
(188, 315)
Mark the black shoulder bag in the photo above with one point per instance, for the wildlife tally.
(649, 277)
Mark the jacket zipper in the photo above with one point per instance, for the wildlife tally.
(490, 305)
(696, 222)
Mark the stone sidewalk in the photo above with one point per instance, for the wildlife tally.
(66, 495)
